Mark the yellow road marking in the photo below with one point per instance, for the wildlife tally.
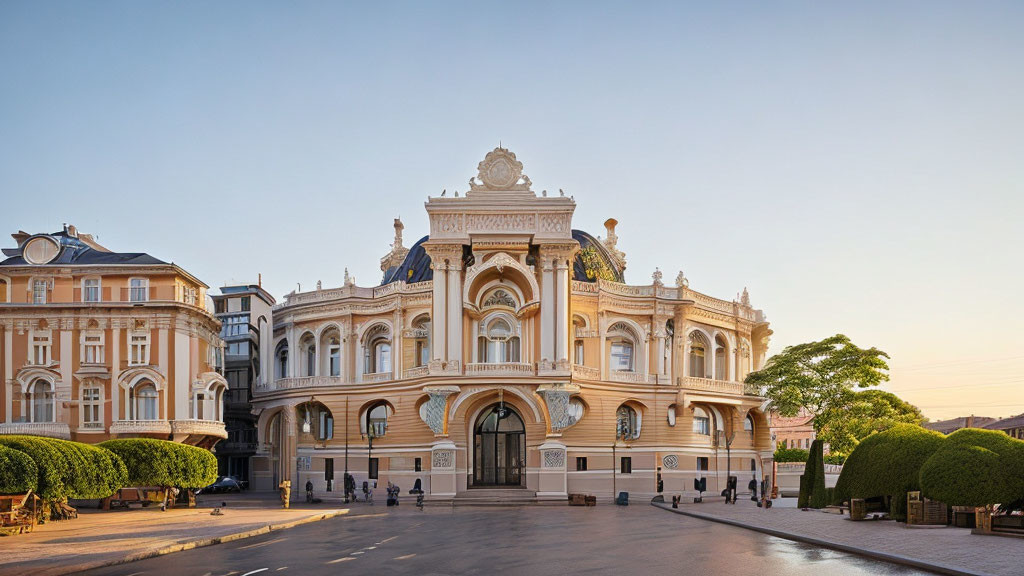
(345, 559)
(406, 557)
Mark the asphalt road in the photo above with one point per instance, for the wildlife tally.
(532, 540)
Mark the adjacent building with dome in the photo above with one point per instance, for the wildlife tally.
(506, 350)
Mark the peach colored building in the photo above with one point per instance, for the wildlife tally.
(96, 344)
(505, 350)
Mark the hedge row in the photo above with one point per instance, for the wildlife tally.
(66, 469)
(18, 472)
(790, 455)
(162, 463)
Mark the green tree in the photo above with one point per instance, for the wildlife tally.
(867, 412)
(18, 472)
(152, 462)
(819, 377)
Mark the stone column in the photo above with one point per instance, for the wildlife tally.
(562, 320)
(602, 328)
(547, 312)
(8, 372)
(289, 449)
(438, 317)
(454, 320)
(114, 346)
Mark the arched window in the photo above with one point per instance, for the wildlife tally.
(143, 401)
(281, 360)
(307, 349)
(698, 349)
(721, 358)
(421, 333)
(577, 352)
(377, 420)
(627, 424)
(623, 343)
(701, 422)
(748, 427)
(499, 342)
(377, 350)
(575, 410)
(330, 359)
(42, 401)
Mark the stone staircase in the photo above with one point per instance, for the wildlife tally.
(502, 497)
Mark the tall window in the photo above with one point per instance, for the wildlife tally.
(39, 291)
(627, 425)
(138, 290)
(499, 343)
(377, 420)
(91, 290)
(94, 348)
(334, 356)
(139, 348)
(41, 353)
(307, 355)
(698, 348)
(246, 303)
(325, 429)
(42, 401)
(281, 360)
(721, 358)
(748, 427)
(622, 356)
(577, 352)
(701, 422)
(144, 401)
(91, 408)
(421, 330)
(377, 350)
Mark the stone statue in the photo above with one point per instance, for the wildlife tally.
(681, 281)
(656, 277)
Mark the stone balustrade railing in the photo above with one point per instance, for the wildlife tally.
(633, 377)
(711, 385)
(500, 369)
(206, 427)
(140, 427)
(48, 429)
(377, 377)
(307, 382)
(585, 372)
(417, 372)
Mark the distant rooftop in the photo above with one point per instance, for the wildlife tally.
(68, 247)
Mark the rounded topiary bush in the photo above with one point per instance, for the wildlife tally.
(887, 463)
(18, 472)
(975, 468)
(54, 472)
(153, 462)
(66, 469)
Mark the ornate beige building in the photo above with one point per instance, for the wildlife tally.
(96, 344)
(506, 350)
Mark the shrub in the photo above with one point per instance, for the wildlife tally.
(975, 468)
(66, 469)
(833, 458)
(54, 472)
(887, 463)
(791, 455)
(18, 472)
(153, 462)
(817, 498)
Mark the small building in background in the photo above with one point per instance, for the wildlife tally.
(1013, 426)
(793, 431)
(954, 424)
(244, 311)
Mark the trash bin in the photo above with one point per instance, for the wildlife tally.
(858, 509)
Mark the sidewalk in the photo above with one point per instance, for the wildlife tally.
(101, 538)
(943, 550)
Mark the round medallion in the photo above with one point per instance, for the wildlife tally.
(670, 461)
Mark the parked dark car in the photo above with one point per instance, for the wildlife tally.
(223, 484)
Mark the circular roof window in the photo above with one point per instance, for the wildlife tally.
(40, 250)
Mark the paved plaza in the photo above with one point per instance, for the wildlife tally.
(531, 540)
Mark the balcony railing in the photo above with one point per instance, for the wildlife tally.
(307, 382)
(204, 427)
(710, 385)
(499, 369)
(140, 427)
(634, 377)
(585, 372)
(48, 429)
(377, 377)
(417, 372)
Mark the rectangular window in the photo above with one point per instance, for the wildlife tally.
(581, 463)
(139, 290)
(325, 431)
(220, 306)
(373, 468)
(91, 408)
(702, 464)
(91, 292)
(627, 465)
(246, 303)
(622, 357)
(578, 352)
(139, 349)
(329, 469)
(418, 465)
(93, 349)
(189, 295)
(40, 349)
(39, 292)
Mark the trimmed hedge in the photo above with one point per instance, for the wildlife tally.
(152, 462)
(66, 469)
(887, 463)
(791, 455)
(818, 497)
(18, 472)
(975, 468)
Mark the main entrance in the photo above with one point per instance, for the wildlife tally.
(499, 447)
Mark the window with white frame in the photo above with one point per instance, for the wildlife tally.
(701, 422)
(622, 356)
(91, 403)
(698, 351)
(623, 347)
(281, 359)
(143, 401)
(334, 356)
(39, 291)
(377, 350)
(577, 352)
(41, 400)
(377, 420)
(138, 290)
(93, 348)
(325, 426)
(41, 352)
(188, 295)
(421, 330)
(91, 290)
(499, 342)
(139, 348)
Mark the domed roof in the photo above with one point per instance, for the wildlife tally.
(593, 261)
(414, 268)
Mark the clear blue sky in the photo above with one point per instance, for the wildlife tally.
(857, 166)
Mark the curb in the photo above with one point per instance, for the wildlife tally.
(265, 529)
(893, 558)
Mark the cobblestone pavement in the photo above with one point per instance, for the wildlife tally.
(99, 537)
(953, 549)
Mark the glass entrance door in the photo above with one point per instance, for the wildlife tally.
(499, 448)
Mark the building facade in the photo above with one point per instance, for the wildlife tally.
(506, 350)
(793, 431)
(244, 312)
(96, 344)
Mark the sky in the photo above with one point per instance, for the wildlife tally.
(857, 166)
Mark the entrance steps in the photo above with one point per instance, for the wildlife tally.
(503, 497)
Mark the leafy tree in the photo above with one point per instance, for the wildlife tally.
(867, 412)
(819, 377)
(18, 472)
(152, 462)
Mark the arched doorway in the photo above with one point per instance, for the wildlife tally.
(499, 447)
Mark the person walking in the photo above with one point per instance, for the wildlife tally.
(309, 491)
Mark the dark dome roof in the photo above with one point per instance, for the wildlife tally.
(74, 251)
(414, 268)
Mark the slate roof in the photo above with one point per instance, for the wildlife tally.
(1007, 423)
(75, 252)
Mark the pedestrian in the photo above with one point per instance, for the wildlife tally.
(309, 491)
